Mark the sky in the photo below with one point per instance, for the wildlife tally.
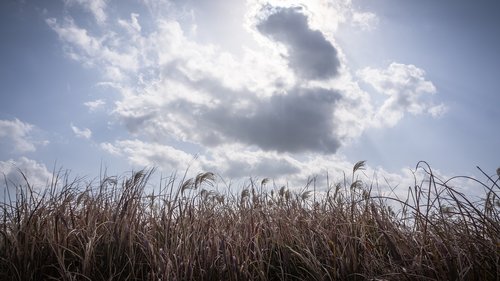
(281, 89)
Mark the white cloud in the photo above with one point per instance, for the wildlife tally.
(19, 133)
(145, 154)
(354, 111)
(243, 162)
(237, 164)
(36, 173)
(132, 26)
(231, 161)
(158, 8)
(96, 7)
(84, 133)
(95, 105)
(437, 111)
(407, 89)
(96, 51)
(110, 148)
(365, 20)
(86, 45)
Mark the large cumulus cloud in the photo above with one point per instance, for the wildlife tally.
(287, 97)
(296, 120)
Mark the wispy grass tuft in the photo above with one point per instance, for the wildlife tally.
(115, 229)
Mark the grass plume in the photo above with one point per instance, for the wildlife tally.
(114, 229)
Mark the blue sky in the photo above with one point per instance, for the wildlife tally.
(280, 89)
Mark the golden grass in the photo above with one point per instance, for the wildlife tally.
(114, 230)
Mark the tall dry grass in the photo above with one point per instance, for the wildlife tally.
(113, 229)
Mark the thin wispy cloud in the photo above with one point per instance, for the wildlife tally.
(84, 133)
(94, 105)
(365, 20)
(95, 7)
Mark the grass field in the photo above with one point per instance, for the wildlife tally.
(114, 229)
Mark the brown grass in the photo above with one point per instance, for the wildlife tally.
(114, 230)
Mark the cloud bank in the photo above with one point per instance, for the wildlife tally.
(289, 98)
(84, 133)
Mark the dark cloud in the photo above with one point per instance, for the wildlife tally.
(311, 56)
(135, 122)
(299, 121)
